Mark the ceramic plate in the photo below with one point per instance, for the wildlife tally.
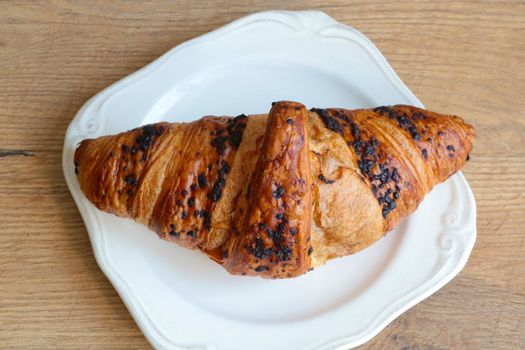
(179, 298)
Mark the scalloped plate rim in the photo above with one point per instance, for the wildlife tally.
(153, 335)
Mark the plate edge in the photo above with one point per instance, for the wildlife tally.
(269, 16)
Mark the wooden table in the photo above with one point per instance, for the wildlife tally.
(464, 57)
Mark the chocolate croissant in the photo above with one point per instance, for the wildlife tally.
(279, 194)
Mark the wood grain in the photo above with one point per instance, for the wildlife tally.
(462, 57)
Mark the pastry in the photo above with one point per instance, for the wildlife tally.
(279, 194)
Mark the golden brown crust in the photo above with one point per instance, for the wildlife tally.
(399, 153)
(163, 176)
(273, 237)
(111, 169)
(279, 194)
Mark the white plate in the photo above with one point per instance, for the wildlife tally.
(179, 298)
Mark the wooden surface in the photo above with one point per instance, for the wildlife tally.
(464, 57)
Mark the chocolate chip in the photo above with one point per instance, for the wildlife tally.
(382, 109)
(159, 131)
(262, 268)
(207, 219)
(271, 233)
(395, 176)
(325, 180)
(219, 143)
(329, 121)
(355, 130)
(236, 128)
(148, 130)
(202, 181)
(131, 179)
(225, 168)
(259, 251)
(385, 176)
(216, 191)
(278, 193)
(283, 253)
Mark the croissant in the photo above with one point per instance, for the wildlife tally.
(275, 195)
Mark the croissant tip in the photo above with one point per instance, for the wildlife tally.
(80, 153)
